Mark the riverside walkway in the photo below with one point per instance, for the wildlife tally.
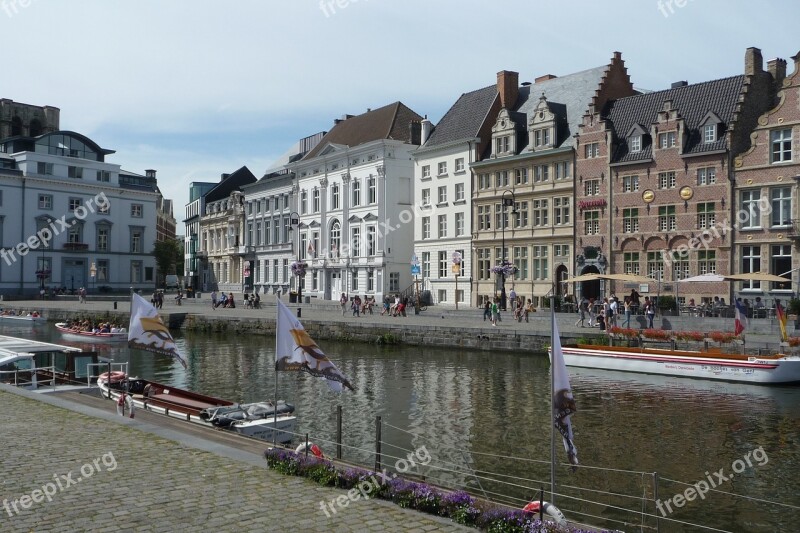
(73, 466)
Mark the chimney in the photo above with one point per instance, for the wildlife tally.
(682, 83)
(415, 132)
(508, 87)
(545, 78)
(150, 173)
(753, 62)
(777, 67)
(427, 129)
(224, 177)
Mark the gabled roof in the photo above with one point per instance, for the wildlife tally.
(465, 118)
(692, 102)
(388, 122)
(241, 177)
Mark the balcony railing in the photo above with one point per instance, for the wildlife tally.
(76, 246)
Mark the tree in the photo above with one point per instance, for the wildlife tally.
(167, 254)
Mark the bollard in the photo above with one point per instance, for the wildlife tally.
(299, 313)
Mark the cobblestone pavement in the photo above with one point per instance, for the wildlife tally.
(91, 471)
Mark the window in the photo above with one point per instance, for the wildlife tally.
(500, 217)
(285, 270)
(521, 176)
(372, 190)
(137, 239)
(394, 281)
(591, 187)
(541, 173)
(356, 192)
(540, 262)
(44, 168)
(274, 271)
(45, 201)
(561, 210)
(630, 183)
(259, 237)
(335, 196)
(680, 267)
(709, 133)
(41, 223)
(105, 208)
(370, 280)
(315, 201)
(561, 250)
(666, 180)
(666, 140)
(442, 195)
(666, 218)
(426, 264)
(355, 241)
(136, 271)
(442, 295)
(75, 203)
(426, 197)
(781, 198)
(303, 249)
(781, 146)
(705, 215)
(426, 227)
(354, 281)
(484, 263)
(442, 168)
(520, 254)
(563, 170)
(102, 238)
(267, 232)
(484, 181)
(463, 263)
(706, 262)
(521, 215)
(502, 144)
(250, 234)
(751, 262)
(630, 263)
(630, 220)
(541, 137)
(371, 240)
(592, 150)
(336, 239)
(540, 212)
(75, 172)
(303, 202)
(459, 224)
(636, 143)
(75, 234)
(591, 222)
(706, 176)
(655, 265)
(751, 209)
(102, 270)
(484, 217)
(501, 178)
(136, 210)
(442, 226)
(314, 280)
(443, 264)
(460, 164)
(780, 264)
(459, 192)
(315, 243)
(426, 171)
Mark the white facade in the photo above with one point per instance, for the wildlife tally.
(67, 222)
(442, 189)
(356, 219)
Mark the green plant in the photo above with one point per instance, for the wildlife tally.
(794, 306)
(667, 302)
(387, 338)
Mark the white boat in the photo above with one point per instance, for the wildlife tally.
(198, 408)
(30, 320)
(763, 369)
(88, 336)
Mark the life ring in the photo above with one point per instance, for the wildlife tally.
(549, 509)
(313, 448)
(116, 377)
(125, 402)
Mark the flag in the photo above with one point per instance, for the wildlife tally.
(147, 331)
(295, 350)
(563, 401)
(310, 248)
(740, 323)
(781, 314)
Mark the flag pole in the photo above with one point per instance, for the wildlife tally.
(275, 405)
(552, 392)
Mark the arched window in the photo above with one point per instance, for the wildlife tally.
(336, 238)
(16, 126)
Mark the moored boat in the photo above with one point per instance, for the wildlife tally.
(763, 369)
(90, 336)
(253, 420)
(30, 319)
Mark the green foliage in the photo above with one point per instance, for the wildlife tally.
(794, 306)
(387, 338)
(667, 302)
(168, 255)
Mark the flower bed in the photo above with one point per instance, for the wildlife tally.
(697, 336)
(794, 342)
(721, 337)
(459, 506)
(628, 333)
(657, 334)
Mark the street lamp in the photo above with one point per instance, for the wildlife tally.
(294, 221)
(93, 273)
(506, 202)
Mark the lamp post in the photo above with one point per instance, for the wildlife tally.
(294, 221)
(93, 273)
(506, 202)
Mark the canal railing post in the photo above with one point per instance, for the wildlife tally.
(655, 498)
(378, 443)
(108, 379)
(338, 431)
(306, 445)
(541, 505)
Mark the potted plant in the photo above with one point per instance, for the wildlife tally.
(667, 304)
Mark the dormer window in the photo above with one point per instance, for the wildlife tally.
(541, 137)
(636, 143)
(709, 133)
(502, 144)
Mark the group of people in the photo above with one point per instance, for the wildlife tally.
(252, 301)
(222, 300)
(521, 308)
(11, 312)
(606, 314)
(87, 326)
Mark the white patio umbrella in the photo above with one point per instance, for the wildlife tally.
(701, 278)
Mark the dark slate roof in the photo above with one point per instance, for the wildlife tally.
(241, 177)
(388, 122)
(465, 118)
(692, 102)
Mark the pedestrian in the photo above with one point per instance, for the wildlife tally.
(650, 311)
(592, 316)
(343, 302)
(213, 300)
(230, 300)
(529, 309)
(628, 305)
(513, 297)
(487, 310)
(614, 311)
(601, 319)
(356, 306)
(386, 305)
(82, 295)
(582, 311)
(495, 312)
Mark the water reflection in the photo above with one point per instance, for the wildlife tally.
(470, 409)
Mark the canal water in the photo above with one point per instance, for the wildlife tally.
(484, 420)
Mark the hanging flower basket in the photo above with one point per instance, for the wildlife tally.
(42, 274)
(299, 268)
(506, 268)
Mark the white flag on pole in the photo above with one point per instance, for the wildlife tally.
(563, 401)
(147, 331)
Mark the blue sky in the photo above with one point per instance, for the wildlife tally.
(197, 88)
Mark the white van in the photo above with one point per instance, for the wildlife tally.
(172, 282)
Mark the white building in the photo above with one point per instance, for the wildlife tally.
(69, 219)
(355, 205)
(443, 187)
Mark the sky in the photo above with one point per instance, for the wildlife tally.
(197, 88)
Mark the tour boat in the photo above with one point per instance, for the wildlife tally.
(253, 420)
(23, 320)
(73, 335)
(762, 369)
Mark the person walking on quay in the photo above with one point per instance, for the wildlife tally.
(513, 297)
(213, 300)
(343, 302)
(614, 312)
(627, 304)
(231, 304)
(487, 311)
(592, 316)
(386, 305)
(159, 299)
(82, 295)
(582, 307)
(650, 311)
(356, 306)
(495, 312)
